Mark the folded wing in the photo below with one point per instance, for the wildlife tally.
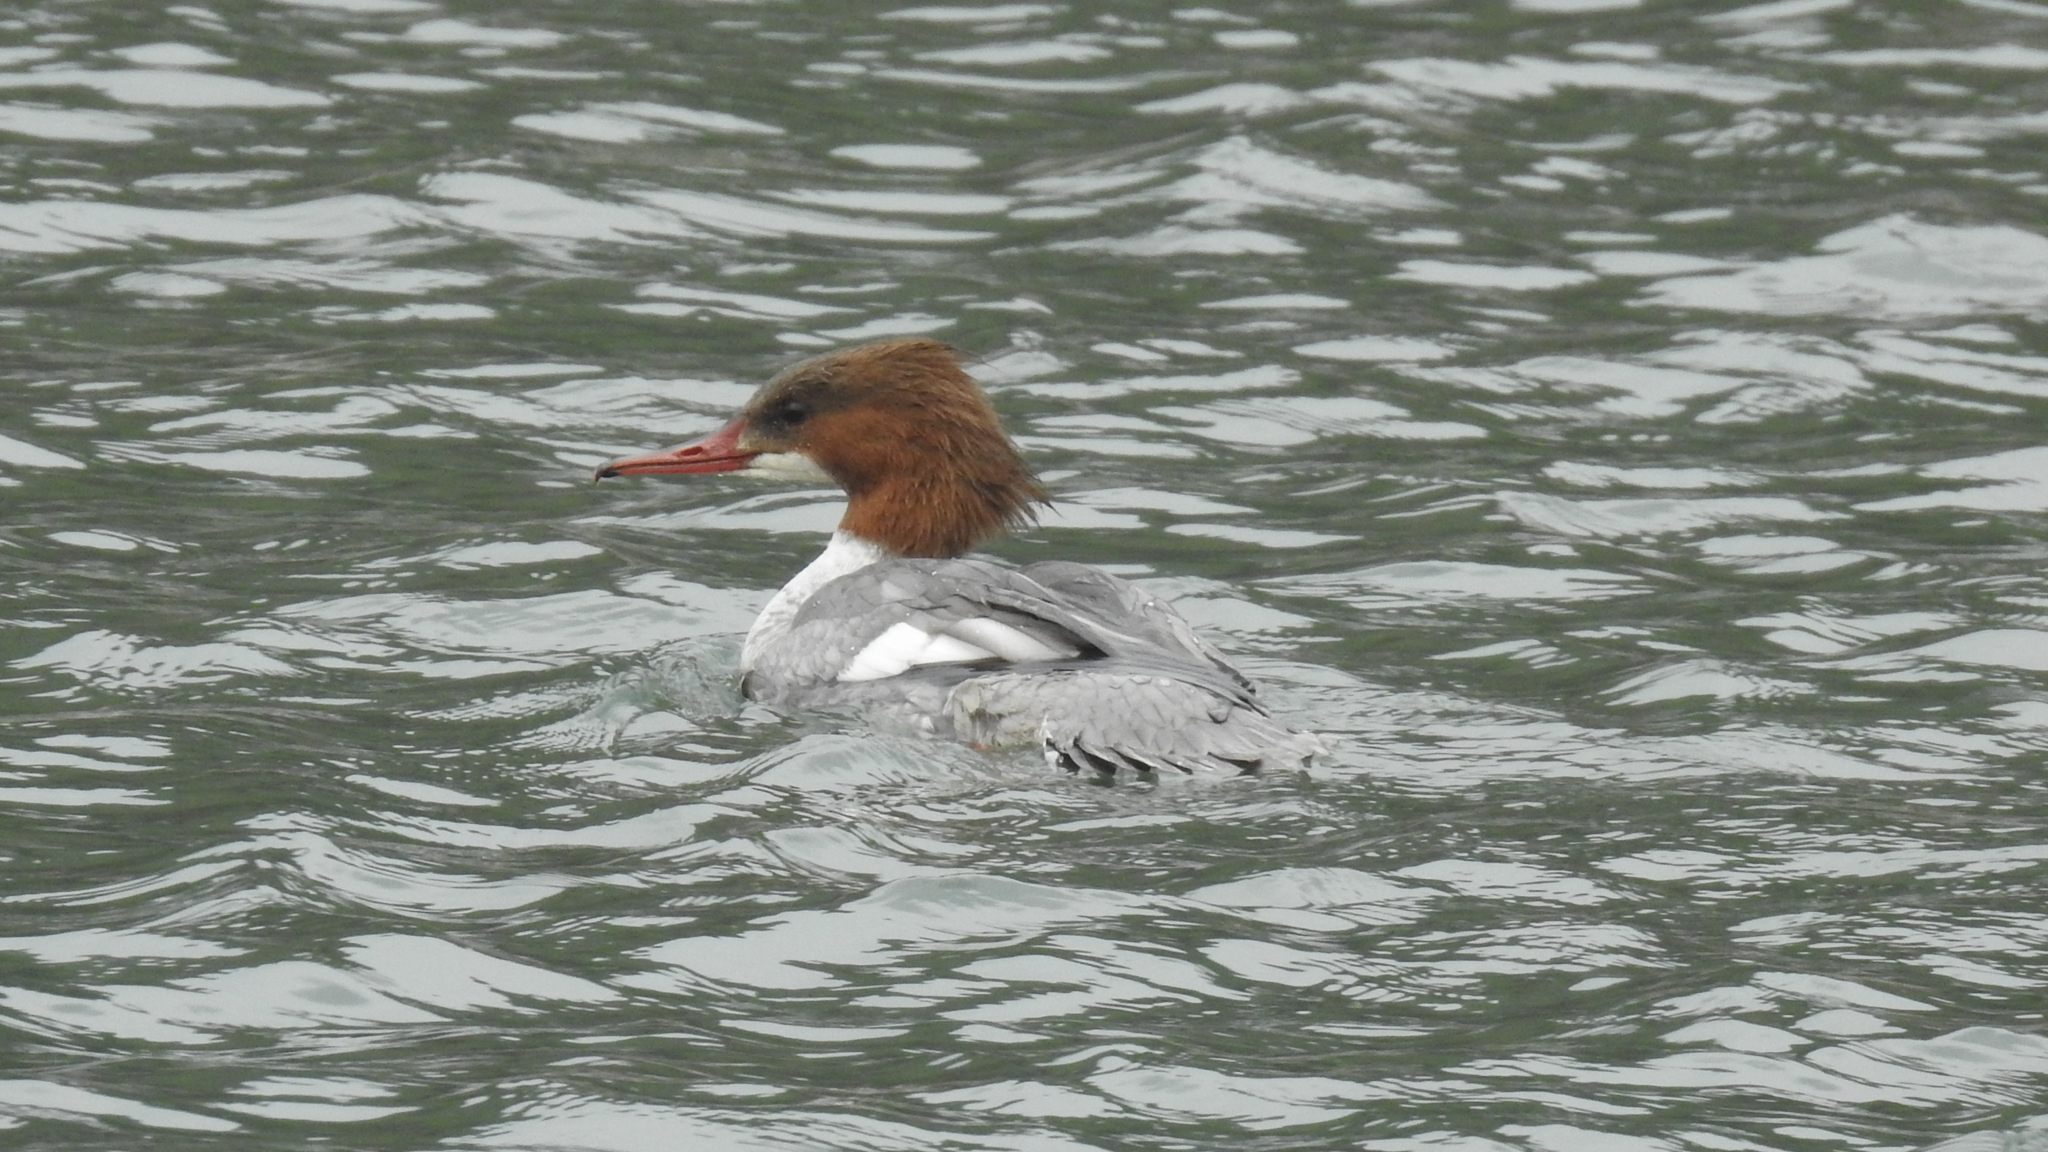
(1100, 673)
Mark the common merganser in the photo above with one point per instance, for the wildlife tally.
(892, 619)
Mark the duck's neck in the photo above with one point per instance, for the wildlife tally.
(935, 486)
(845, 553)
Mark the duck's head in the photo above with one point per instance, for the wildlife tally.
(898, 425)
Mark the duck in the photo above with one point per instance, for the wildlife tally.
(896, 621)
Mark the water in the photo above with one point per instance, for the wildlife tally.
(1618, 429)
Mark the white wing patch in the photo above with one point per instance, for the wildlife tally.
(905, 646)
(1008, 642)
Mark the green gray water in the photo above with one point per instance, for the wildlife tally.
(1619, 429)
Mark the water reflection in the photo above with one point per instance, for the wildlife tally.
(1615, 427)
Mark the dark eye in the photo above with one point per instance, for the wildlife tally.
(788, 411)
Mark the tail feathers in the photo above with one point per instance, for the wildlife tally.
(1112, 722)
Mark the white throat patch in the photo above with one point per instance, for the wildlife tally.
(787, 466)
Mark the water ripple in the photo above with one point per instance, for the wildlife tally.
(1614, 428)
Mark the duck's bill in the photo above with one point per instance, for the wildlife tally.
(718, 452)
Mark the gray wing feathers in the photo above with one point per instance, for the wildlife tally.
(1119, 599)
(846, 615)
(1119, 721)
(1146, 693)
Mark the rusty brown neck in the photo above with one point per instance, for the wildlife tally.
(938, 511)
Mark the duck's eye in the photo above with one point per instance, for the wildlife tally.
(788, 412)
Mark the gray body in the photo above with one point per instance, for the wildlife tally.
(1139, 690)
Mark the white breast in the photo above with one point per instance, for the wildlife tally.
(846, 553)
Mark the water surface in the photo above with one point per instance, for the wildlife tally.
(1618, 428)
